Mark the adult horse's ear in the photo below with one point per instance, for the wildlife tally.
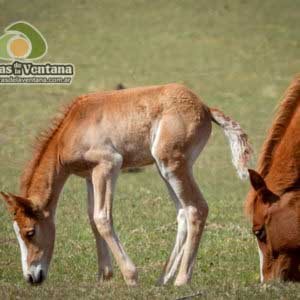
(256, 180)
(260, 186)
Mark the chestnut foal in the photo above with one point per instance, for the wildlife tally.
(102, 133)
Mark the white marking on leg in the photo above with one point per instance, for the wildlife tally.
(177, 252)
(196, 214)
(175, 183)
(23, 249)
(176, 263)
(155, 138)
(175, 189)
(171, 179)
(261, 263)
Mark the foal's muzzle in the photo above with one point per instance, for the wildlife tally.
(37, 278)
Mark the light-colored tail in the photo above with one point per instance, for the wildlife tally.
(238, 140)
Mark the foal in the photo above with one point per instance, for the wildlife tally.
(102, 133)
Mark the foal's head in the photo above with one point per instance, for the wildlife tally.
(276, 225)
(35, 232)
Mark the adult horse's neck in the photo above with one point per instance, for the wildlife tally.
(279, 160)
(44, 179)
(284, 172)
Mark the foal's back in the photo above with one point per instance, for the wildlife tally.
(127, 122)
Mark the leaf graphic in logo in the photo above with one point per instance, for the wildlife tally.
(4, 39)
(22, 40)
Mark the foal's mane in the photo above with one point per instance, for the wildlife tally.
(41, 144)
(284, 115)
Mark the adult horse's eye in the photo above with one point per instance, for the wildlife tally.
(30, 233)
(260, 234)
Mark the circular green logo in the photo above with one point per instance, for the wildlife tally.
(22, 41)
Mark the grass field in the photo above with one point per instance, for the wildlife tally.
(237, 55)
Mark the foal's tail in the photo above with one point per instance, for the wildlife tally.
(238, 140)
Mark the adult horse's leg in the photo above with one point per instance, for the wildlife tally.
(104, 177)
(105, 268)
(176, 255)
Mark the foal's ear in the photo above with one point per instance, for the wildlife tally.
(256, 180)
(11, 204)
(14, 202)
(7, 199)
(22, 202)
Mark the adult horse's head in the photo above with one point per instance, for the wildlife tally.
(35, 232)
(276, 225)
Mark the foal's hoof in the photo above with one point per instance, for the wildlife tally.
(131, 282)
(130, 276)
(105, 275)
(182, 280)
(162, 280)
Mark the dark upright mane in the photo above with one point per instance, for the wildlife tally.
(284, 115)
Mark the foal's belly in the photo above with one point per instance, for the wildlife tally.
(140, 157)
(83, 167)
(88, 149)
(135, 147)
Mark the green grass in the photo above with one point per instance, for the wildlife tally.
(237, 55)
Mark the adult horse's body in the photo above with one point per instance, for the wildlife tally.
(98, 135)
(274, 201)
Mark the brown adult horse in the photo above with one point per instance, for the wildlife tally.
(274, 201)
(102, 133)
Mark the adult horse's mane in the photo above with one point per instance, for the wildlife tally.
(284, 115)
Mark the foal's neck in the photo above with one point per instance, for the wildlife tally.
(47, 180)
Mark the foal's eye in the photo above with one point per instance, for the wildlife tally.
(260, 234)
(30, 233)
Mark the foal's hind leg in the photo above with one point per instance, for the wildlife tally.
(196, 211)
(176, 255)
(105, 269)
(178, 173)
(177, 142)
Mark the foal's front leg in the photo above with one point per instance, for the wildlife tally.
(105, 268)
(104, 177)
